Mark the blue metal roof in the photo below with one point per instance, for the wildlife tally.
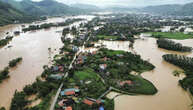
(67, 90)
(101, 108)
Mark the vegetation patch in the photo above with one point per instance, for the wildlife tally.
(86, 74)
(2, 108)
(4, 74)
(49, 25)
(171, 45)
(5, 41)
(114, 67)
(171, 35)
(14, 62)
(186, 63)
(104, 37)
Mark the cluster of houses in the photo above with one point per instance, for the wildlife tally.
(70, 97)
(81, 59)
(184, 29)
(59, 69)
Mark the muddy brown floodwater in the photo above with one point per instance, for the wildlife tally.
(170, 95)
(33, 48)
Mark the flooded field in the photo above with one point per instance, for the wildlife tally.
(170, 95)
(33, 48)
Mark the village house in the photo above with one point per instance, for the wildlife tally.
(119, 55)
(101, 108)
(82, 36)
(55, 68)
(65, 103)
(90, 102)
(120, 63)
(123, 36)
(94, 52)
(69, 92)
(105, 59)
(128, 82)
(103, 66)
(145, 35)
(188, 30)
(56, 76)
(81, 59)
(68, 108)
(75, 48)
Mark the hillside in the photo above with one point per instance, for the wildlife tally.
(45, 7)
(179, 10)
(85, 7)
(8, 14)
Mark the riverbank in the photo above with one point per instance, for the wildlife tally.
(33, 48)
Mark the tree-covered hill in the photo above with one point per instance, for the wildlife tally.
(44, 7)
(8, 14)
(174, 9)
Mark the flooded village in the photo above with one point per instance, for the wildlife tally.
(98, 62)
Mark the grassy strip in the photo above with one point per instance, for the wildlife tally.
(171, 35)
(104, 37)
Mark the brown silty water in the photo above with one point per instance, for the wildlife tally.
(170, 95)
(33, 48)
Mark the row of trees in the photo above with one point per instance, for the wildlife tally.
(4, 74)
(171, 45)
(5, 41)
(185, 63)
(49, 25)
(43, 89)
(14, 62)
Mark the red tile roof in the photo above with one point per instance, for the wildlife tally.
(68, 108)
(98, 101)
(70, 93)
(129, 82)
(88, 102)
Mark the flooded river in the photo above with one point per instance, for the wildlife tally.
(170, 95)
(33, 48)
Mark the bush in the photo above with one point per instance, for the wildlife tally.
(4, 74)
(19, 101)
(14, 62)
(2, 108)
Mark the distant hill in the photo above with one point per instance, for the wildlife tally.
(44, 7)
(179, 10)
(8, 14)
(86, 7)
(121, 9)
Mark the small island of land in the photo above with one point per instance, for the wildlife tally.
(171, 45)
